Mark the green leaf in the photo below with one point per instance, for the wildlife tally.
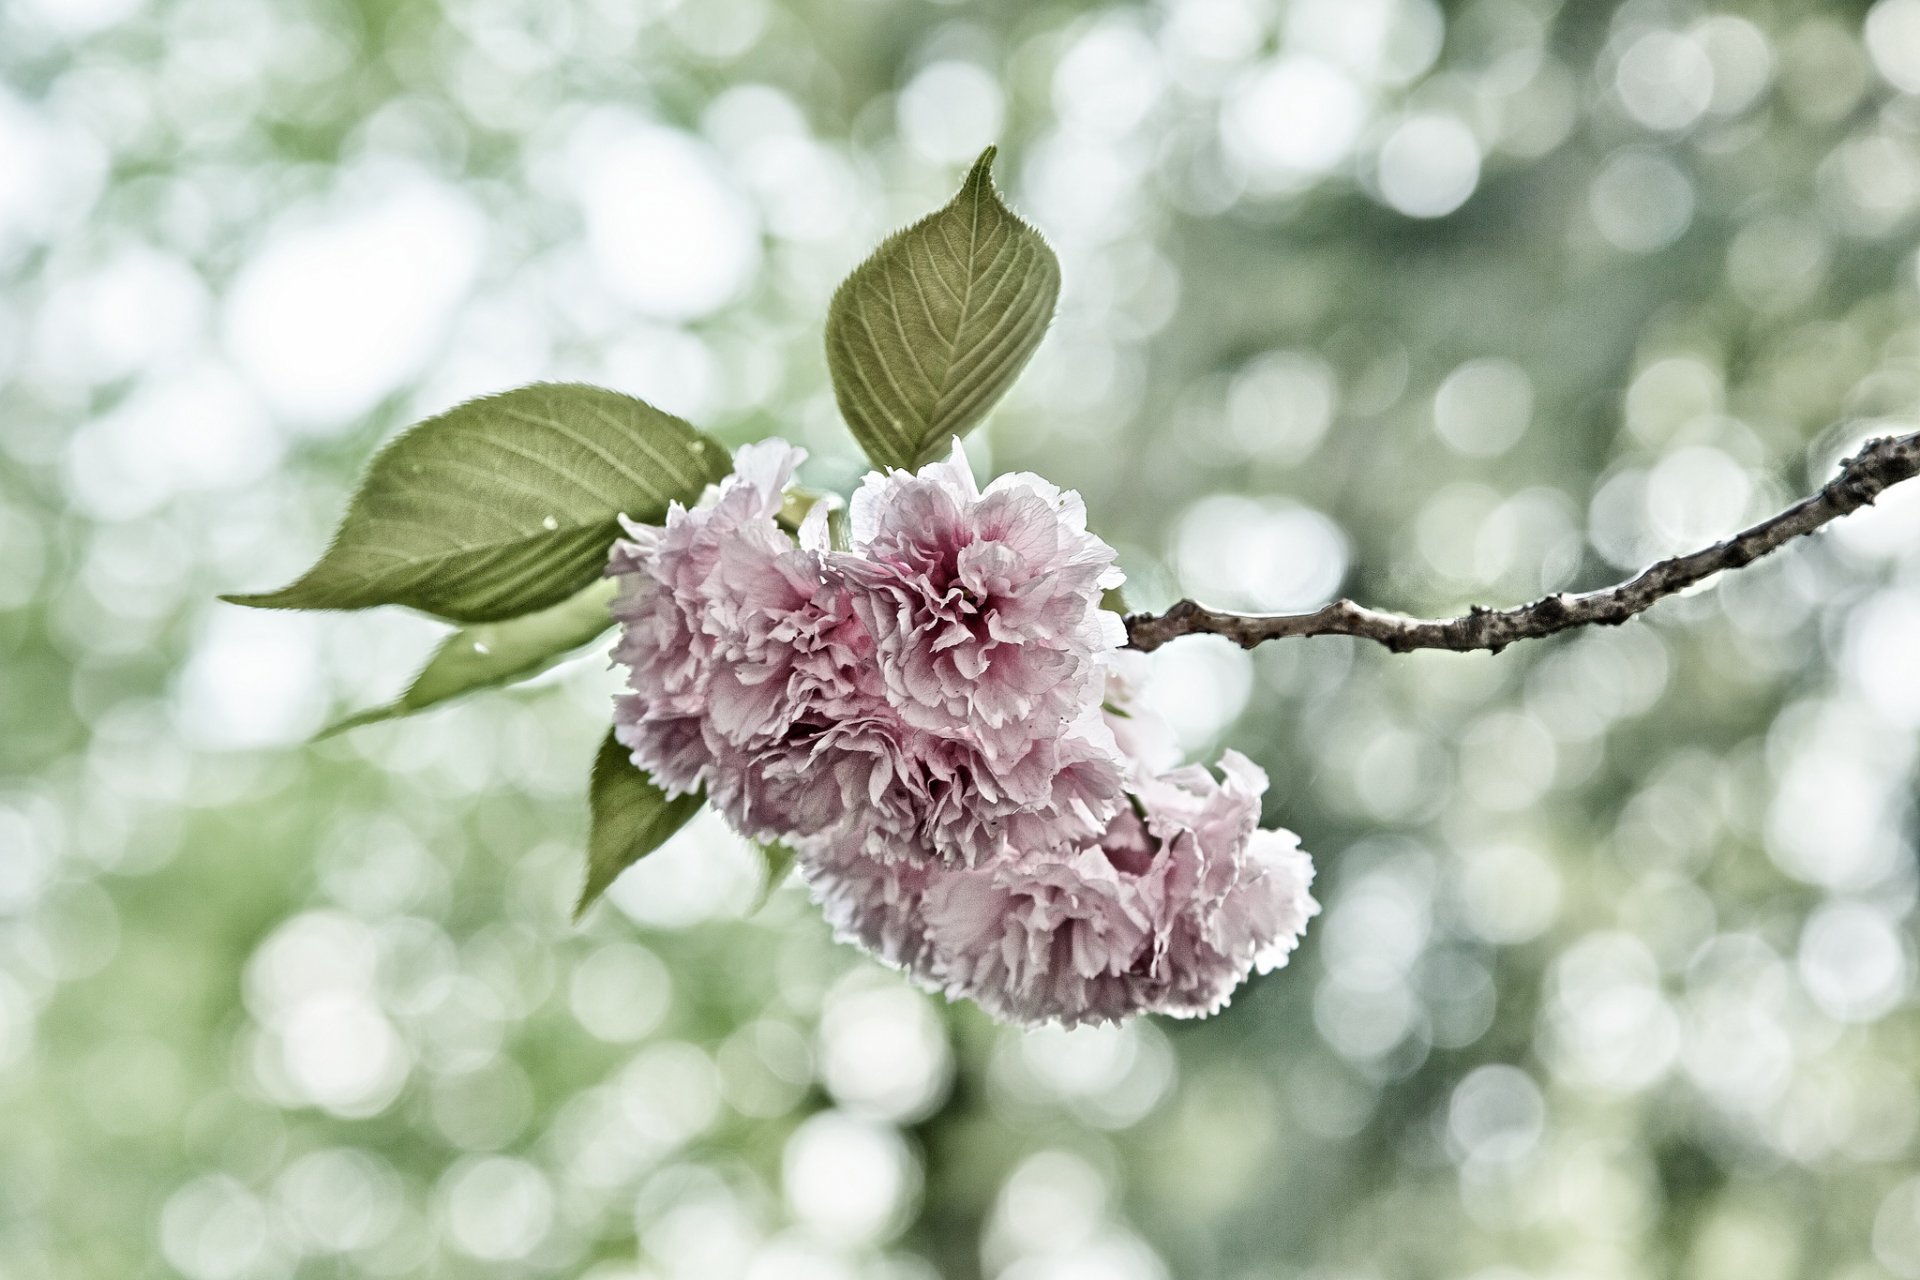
(928, 333)
(778, 859)
(630, 818)
(495, 653)
(505, 505)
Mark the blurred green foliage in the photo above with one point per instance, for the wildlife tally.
(1428, 304)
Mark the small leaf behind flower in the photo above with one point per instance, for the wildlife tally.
(630, 818)
(505, 505)
(496, 653)
(928, 333)
(777, 857)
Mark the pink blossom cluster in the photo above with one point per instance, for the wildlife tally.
(939, 720)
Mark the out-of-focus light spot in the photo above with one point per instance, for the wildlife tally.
(1742, 61)
(691, 1223)
(1483, 407)
(497, 1209)
(1529, 540)
(1878, 657)
(1695, 495)
(1496, 1115)
(1376, 930)
(950, 111)
(1386, 42)
(1460, 998)
(1292, 121)
(139, 309)
(1834, 816)
(307, 955)
(193, 430)
(807, 191)
(1641, 201)
(1364, 1024)
(77, 17)
(852, 1180)
(53, 172)
(1111, 1076)
(765, 1069)
(1509, 892)
(1118, 1255)
(1669, 395)
(339, 1053)
(1507, 761)
(1201, 686)
(335, 312)
(719, 30)
(1536, 117)
(1893, 42)
(745, 117)
(1280, 406)
(1665, 80)
(1081, 188)
(337, 1200)
(669, 1094)
(1736, 1051)
(1666, 821)
(704, 872)
(1870, 183)
(213, 1228)
(1617, 520)
(1896, 1227)
(1448, 528)
(16, 1023)
(1607, 1024)
(31, 864)
(253, 679)
(1428, 166)
(677, 370)
(621, 992)
(883, 1052)
(1212, 31)
(668, 230)
(1853, 962)
(327, 1044)
(1397, 773)
(1108, 80)
(1251, 553)
(794, 1257)
(1052, 1202)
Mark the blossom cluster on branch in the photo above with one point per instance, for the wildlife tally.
(939, 721)
(935, 715)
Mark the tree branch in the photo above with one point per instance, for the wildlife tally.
(1880, 464)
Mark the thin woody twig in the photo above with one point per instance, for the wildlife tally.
(1880, 464)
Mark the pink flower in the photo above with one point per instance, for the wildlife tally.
(874, 905)
(984, 606)
(921, 717)
(666, 606)
(738, 656)
(756, 671)
(1179, 898)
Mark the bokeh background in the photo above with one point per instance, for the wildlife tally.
(1429, 303)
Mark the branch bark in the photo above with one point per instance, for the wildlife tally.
(1880, 464)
